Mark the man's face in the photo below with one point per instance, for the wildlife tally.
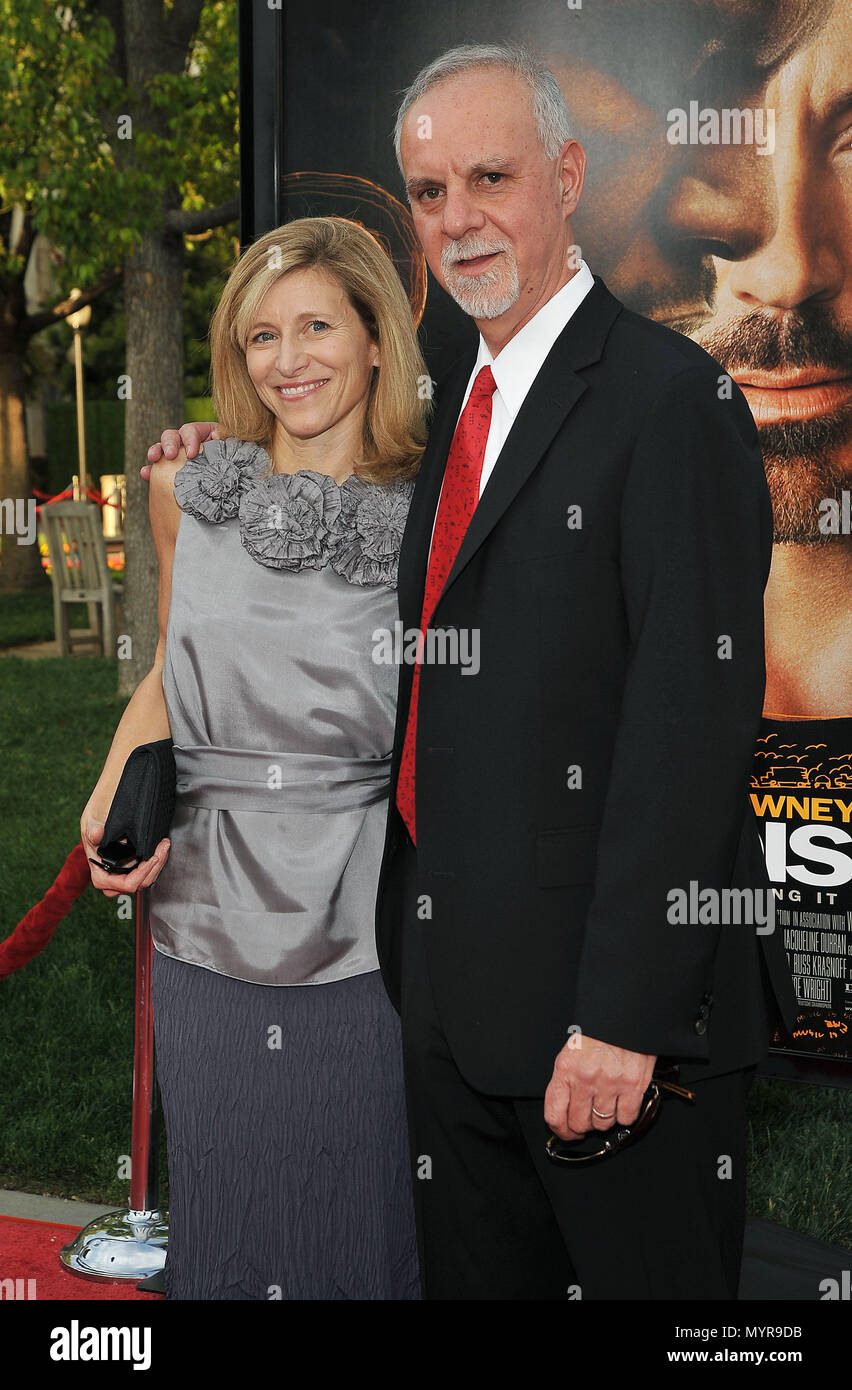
(782, 320)
(490, 210)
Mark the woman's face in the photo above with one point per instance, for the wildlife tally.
(310, 357)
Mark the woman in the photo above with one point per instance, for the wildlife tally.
(278, 1053)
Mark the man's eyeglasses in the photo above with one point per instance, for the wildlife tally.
(602, 1143)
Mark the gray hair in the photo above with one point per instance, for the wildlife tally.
(547, 101)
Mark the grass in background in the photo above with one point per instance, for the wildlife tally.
(28, 617)
(800, 1158)
(66, 1023)
(66, 1027)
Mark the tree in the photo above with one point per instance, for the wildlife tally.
(43, 72)
(139, 150)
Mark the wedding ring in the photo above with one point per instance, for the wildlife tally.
(602, 1116)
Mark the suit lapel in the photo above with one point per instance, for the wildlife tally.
(552, 396)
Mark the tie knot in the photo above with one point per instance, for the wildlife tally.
(484, 384)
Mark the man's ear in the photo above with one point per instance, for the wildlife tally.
(572, 161)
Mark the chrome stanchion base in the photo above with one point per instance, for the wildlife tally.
(119, 1245)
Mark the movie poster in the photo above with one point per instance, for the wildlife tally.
(802, 795)
(718, 200)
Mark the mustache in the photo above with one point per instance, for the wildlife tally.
(763, 340)
(467, 249)
(808, 336)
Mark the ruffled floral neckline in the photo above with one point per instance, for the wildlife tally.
(301, 520)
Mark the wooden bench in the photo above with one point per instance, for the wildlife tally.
(80, 574)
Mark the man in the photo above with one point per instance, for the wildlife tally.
(782, 326)
(592, 506)
(749, 253)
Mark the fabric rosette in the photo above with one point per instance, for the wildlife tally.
(302, 520)
(210, 485)
(286, 520)
(368, 534)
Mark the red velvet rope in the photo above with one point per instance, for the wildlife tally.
(91, 492)
(34, 931)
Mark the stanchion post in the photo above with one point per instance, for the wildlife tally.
(130, 1245)
(144, 1185)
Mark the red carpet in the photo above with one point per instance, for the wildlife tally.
(29, 1250)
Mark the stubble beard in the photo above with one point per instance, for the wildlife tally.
(806, 461)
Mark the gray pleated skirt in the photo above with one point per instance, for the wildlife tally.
(289, 1168)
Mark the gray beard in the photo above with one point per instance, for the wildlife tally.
(481, 301)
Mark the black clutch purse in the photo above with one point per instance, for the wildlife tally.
(141, 810)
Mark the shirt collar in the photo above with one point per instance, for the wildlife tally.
(517, 365)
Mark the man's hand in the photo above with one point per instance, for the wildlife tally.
(590, 1073)
(191, 437)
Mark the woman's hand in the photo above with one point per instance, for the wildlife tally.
(111, 885)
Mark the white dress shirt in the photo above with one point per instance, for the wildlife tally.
(517, 365)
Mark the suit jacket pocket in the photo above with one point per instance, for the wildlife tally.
(545, 543)
(566, 856)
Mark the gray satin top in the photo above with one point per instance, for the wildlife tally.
(282, 721)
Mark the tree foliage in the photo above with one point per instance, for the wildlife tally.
(72, 154)
(118, 139)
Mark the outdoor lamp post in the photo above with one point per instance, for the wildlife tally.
(78, 322)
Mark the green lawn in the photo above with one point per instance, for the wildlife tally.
(66, 1024)
(66, 1032)
(29, 617)
(800, 1158)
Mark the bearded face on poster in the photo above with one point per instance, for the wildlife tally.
(719, 201)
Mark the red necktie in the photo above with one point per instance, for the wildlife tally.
(459, 496)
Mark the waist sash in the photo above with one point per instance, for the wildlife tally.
(243, 779)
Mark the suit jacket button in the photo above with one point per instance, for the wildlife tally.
(700, 1025)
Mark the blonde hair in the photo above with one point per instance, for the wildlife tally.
(398, 406)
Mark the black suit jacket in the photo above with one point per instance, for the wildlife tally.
(601, 756)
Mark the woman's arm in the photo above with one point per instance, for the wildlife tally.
(145, 719)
